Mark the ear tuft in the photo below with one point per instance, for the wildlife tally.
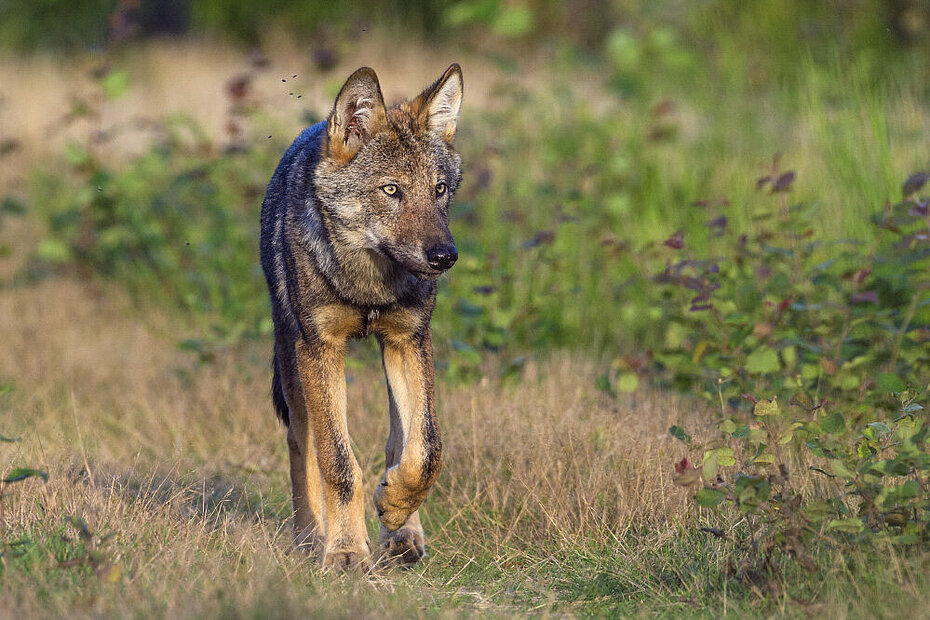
(357, 115)
(443, 101)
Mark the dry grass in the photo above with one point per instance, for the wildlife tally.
(554, 497)
(183, 468)
(186, 77)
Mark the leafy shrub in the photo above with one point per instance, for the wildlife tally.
(835, 335)
(784, 309)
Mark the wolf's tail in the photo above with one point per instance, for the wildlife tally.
(277, 393)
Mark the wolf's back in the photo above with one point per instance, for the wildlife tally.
(289, 190)
(292, 179)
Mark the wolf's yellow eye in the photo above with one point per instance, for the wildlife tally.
(440, 189)
(390, 189)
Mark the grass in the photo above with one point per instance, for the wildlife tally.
(554, 499)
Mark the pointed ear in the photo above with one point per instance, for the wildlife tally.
(357, 115)
(439, 104)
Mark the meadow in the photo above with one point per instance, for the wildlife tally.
(683, 359)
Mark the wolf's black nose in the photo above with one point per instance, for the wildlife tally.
(441, 257)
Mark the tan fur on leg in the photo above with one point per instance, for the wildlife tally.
(414, 448)
(323, 378)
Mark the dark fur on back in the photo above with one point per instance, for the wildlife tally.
(292, 179)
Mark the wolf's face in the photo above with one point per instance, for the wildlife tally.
(387, 176)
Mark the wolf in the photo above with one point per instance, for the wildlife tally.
(354, 234)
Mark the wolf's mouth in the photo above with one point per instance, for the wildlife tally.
(417, 270)
(426, 275)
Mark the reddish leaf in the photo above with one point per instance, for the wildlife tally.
(238, 87)
(543, 237)
(676, 241)
(914, 182)
(783, 182)
(718, 225)
(870, 296)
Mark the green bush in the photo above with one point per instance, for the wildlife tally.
(835, 335)
(787, 309)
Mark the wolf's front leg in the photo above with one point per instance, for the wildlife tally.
(322, 374)
(413, 451)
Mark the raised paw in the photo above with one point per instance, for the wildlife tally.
(403, 546)
(393, 507)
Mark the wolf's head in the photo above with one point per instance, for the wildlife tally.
(386, 176)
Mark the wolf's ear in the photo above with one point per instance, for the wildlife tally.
(439, 104)
(357, 116)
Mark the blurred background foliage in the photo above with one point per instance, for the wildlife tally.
(766, 32)
(618, 124)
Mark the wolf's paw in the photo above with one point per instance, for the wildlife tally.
(402, 546)
(391, 512)
(343, 560)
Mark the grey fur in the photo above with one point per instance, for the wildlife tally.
(335, 240)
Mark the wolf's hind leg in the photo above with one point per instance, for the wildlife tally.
(414, 448)
(305, 473)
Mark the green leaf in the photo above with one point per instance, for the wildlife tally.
(709, 497)
(9, 439)
(905, 539)
(513, 22)
(839, 468)
(76, 155)
(850, 526)
(817, 511)
(834, 423)
(710, 466)
(725, 457)
(727, 426)
(741, 431)
(765, 407)
(12, 206)
(788, 433)
(679, 433)
(54, 251)
(627, 382)
(115, 84)
(762, 360)
(21, 473)
(766, 458)
(603, 384)
(890, 382)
